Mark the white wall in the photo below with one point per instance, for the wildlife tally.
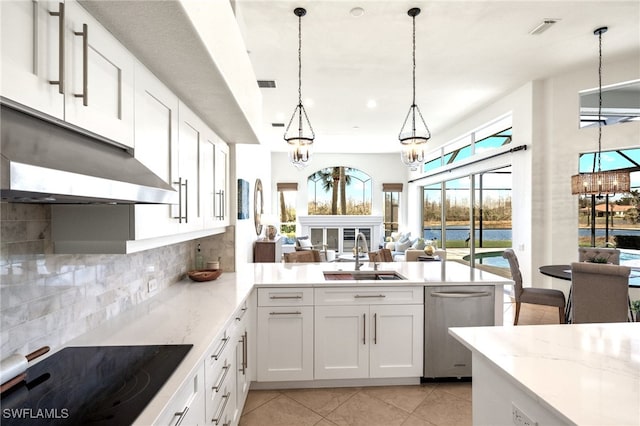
(383, 168)
(249, 162)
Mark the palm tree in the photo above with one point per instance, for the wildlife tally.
(345, 179)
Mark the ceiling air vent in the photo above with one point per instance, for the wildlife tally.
(277, 124)
(267, 84)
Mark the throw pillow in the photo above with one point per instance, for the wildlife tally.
(304, 242)
(390, 246)
(419, 244)
(406, 237)
(395, 236)
(402, 247)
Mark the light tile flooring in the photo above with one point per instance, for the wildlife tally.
(431, 404)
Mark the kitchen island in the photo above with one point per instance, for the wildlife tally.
(583, 374)
(207, 315)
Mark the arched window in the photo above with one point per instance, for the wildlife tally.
(339, 190)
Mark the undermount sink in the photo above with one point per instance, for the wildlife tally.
(362, 275)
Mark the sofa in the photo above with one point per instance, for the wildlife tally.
(401, 242)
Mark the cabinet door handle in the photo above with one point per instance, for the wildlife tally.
(181, 415)
(364, 296)
(223, 406)
(375, 329)
(224, 206)
(223, 376)
(364, 329)
(85, 64)
(60, 15)
(285, 297)
(286, 313)
(245, 352)
(181, 199)
(221, 349)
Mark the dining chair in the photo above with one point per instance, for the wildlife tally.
(599, 293)
(532, 295)
(303, 256)
(605, 255)
(382, 255)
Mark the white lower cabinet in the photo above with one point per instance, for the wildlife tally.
(368, 332)
(188, 405)
(339, 333)
(285, 334)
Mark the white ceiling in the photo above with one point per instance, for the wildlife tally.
(468, 54)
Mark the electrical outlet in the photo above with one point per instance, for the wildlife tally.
(520, 418)
(152, 285)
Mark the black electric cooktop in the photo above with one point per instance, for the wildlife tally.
(96, 385)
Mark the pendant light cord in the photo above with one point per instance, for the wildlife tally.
(414, 62)
(413, 81)
(599, 98)
(300, 61)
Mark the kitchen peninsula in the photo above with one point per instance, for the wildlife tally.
(220, 319)
(580, 374)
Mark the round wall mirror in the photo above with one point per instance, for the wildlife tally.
(258, 206)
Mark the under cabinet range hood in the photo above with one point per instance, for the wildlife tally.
(42, 162)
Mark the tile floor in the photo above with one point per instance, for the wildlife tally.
(431, 404)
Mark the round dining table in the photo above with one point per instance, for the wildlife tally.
(563, 272)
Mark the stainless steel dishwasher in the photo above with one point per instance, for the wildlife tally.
(453, 306)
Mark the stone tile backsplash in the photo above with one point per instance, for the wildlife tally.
(49, 299)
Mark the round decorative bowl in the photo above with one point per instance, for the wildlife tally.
(201, 275)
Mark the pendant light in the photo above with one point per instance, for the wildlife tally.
(598, 182)
(299, 141)
(414, 133)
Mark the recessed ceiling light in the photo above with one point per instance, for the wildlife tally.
(372, 103)
(357, 11)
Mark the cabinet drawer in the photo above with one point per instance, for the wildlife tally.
(369, 295)
(187, 405)
(285, 296)
(241, 314)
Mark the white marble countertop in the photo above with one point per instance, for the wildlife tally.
(186, 313)
(196, 313)
(588, 374)
(417, 273)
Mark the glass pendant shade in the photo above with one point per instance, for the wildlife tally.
(412, 155)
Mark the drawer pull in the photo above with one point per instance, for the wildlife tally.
(181, 415)
(223, 376)
(285, 297)
(223, 407)
(286, 313)
(364, 296)
(221, 349)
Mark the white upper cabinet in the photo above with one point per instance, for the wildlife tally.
(58, 60)
(156, 141)
(32, 39)
(221, 185)
(99, 74)
(191, 135)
